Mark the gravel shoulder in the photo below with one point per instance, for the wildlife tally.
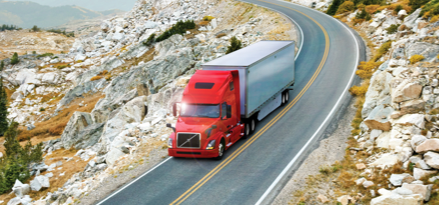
(330, 150)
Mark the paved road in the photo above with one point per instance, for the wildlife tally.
(324, 69)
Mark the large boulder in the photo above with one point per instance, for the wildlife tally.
(420, 173)
(39, 182)
(133, 111)
(428, 145)
(385, 160)
(412, 119)
(379, 118)
(378, 92)
(20, 189)
(423, 190)
(396, 199)
(432, 159)
(410, 21)
(428, 50)
(406, 91)
(412, 106)
(77, 123)
(50, 78)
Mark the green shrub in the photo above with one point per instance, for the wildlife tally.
(235, 45)
(332, 10)
(45, 55)
(15, 59)
(392, 28)
(179, 28)
(17, 159)
(398, 8)
(150, 40)
(415, 4)
(35, 29)
(42, 109)
(2, 65)
(363, 15)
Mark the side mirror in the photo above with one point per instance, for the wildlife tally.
(170, 126)
(229, 111)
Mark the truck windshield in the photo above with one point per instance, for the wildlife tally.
(200, 110)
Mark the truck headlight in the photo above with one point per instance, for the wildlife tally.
(211, 144)
(170, 143)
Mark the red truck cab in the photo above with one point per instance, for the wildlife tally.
(209, 120)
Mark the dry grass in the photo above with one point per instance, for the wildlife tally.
(55, 126)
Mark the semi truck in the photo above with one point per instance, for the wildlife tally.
(223, 101)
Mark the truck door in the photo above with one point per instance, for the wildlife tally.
(232, 131)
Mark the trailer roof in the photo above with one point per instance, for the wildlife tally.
(250, 54)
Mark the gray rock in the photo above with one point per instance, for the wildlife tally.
(419, 173)
(77, 123)
(15, 201)
(412, 106)
(374, 134)
(432, 159)
(410, 20)
(26, 200)
(412, 119)
(30, 126)
(379, 118)
(428, 50)
(20, 189)
(419, 162)
(406, 91)
(394, 198)
(105, 27)
(113, 155)
(396, 179)
(423, 190)
(417, 140)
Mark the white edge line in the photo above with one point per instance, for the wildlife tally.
(302, 37)
(298, 53)
(292, 162)
(155, 167)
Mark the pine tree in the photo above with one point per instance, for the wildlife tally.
(12, 147)
(3, 109)
(14, 59)
(2, 65)
(235, 45)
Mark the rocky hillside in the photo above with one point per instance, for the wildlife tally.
(23, 42)
(101, 108)
(26, 14)
(393, 152)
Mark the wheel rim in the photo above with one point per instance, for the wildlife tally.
(287, 96)
(220, 150)
(253, 125)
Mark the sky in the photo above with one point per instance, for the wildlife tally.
(96, 5)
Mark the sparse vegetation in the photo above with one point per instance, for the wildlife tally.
(2, 65)
(150, 40)
(235, 45)
(416, 58)
(384, 48)
(45, 55)
(366, 69)
(208, 18)
(98, 77)
(392, 28)
(35, 29)
(179, 28)
(63, 32)
(363, 15)
(345, 7)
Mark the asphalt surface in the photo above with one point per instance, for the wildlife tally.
(243, 178)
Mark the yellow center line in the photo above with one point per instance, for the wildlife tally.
(235, 154)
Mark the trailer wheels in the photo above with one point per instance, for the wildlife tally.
(285, 97)
(221, 148)
(252, 125)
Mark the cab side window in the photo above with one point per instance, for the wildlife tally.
(224, 110)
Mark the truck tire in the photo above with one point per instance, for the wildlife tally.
(283, 101)
(247, 131)
(287, 96)
(221, 149)
(252, 125)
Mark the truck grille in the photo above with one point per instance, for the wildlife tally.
(188, 140)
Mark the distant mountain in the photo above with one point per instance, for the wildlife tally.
(26, 14)
(95, 5)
